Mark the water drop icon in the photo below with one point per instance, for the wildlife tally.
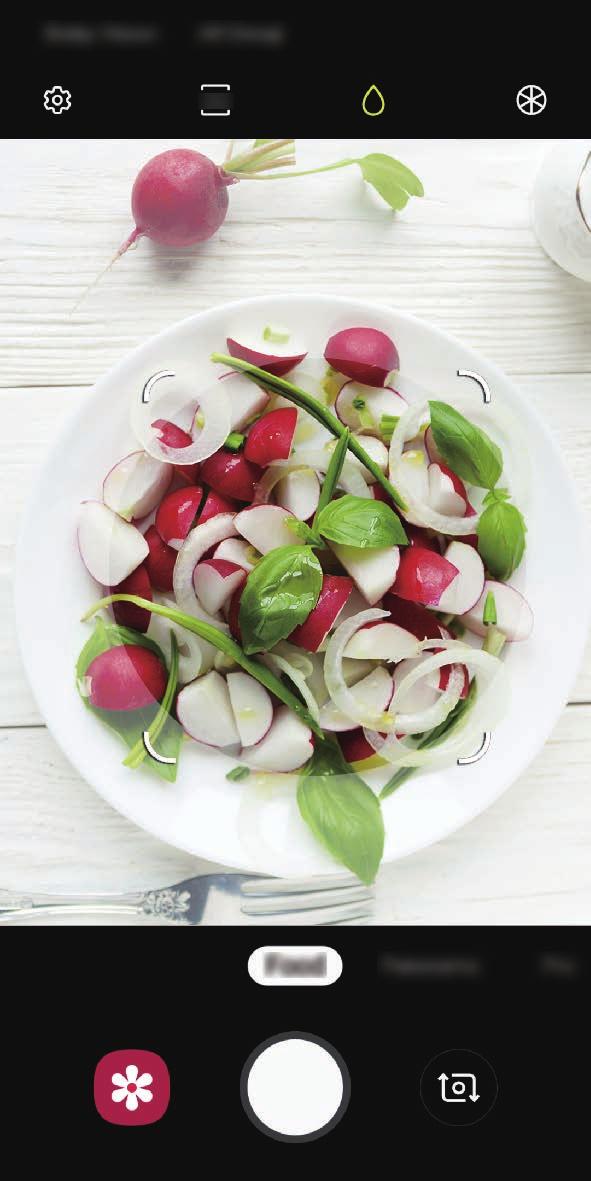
(373, 101)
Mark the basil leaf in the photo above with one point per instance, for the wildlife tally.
(364, 524)
(130, 724)
(433, 738)
(303, 531)
(342, 811)
(468, 450)
(501, 538)
(391, 179)
(278, 595)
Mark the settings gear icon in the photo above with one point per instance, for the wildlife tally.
(57, 100)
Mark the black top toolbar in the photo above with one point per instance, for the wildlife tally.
(274, 77)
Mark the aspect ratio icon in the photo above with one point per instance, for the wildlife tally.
(216, 99)
(373, 102)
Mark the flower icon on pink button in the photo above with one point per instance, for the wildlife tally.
(132, 1088)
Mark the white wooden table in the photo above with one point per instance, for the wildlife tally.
(465, 259)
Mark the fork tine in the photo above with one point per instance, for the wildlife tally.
(322, 916)
(284, 903)
(263, 886)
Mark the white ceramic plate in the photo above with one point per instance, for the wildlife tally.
(200, 813)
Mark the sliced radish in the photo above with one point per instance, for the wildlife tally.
(126, 677)
(514, 614)
(331, 600)
(271, 437)
(299, 493)
(160, 560)
(252, 707)
(136, 484)
(234, 614)
(246, 398)
(423, 576)
(381, 641)
(271, 347)
(418, 510)
(472, 538)
(128, 614)
(236, 550)
(416, 619)
(190, 647)
(177, 513)
(215, 581)
(199, 541)
(215, 504)
(423, 694)
(363, 354)
(373, 570)
(447, 494)
(265, 528)
(355, 746)
(464, 592)
(372, 696)
(415, 473)
(376, 451)
(230, 474)
(432, 449)
(287, 746)
(110, 547)
(170, 434)
(376, 403)
(203, 708)
(421, 537)
(174, 400)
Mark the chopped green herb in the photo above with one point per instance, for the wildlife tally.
(234, 441)
(238, 773)
(489, 615)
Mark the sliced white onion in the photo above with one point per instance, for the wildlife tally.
(272, 476)
(193, 661)
(296, 656)
(279, 663)
(340, 693)
(427, 719)
(491, 701)
(198, 541)
(350, 479)
(175, 398)
(418, 512)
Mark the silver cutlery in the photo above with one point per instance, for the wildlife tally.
(213, 899)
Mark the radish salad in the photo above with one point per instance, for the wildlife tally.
(306, 570)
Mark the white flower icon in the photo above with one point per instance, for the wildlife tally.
(131, 1088)
(57, 100)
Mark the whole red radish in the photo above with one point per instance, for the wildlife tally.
(271, 437)
(423, 576)
(125, 678)
(230, 474)
(128, 614)
(160, 560)
(363, 354)
(178, 198)
(177, 513)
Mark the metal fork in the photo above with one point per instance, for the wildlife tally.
(213, 899)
